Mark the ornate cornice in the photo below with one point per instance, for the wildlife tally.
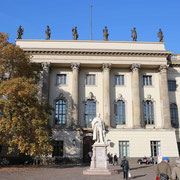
(163, 68)
(119, 98)
(46, 66)
(106, 66)
(149, 98)
(98, 53)
(135, 67)
(75, 66)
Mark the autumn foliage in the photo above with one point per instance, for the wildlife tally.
(24, 121)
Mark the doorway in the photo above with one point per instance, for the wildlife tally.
(87, 147)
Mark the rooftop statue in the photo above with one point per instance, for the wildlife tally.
(98, 129)
(134, 34)
(20, 32)
(74, 33)
(48, 33)
(160, 35)
(105, 34)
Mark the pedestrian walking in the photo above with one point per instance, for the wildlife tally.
(125, 167)
(164, 170)
(115, 160)
(176, 170)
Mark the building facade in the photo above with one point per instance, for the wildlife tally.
(133, 85)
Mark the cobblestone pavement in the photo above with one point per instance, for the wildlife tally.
(70, 172)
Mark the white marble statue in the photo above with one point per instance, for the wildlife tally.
(98, 129)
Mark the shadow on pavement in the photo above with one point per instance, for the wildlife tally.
(140, 167)
(135, 177)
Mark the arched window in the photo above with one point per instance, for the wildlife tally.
(120, 112)
(60, 112)
(174, 115)
(148, 112)
(90, 111)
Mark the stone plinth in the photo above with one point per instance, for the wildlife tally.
(99, 161)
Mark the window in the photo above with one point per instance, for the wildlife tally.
(171, 85)
(90, 79)
(123, 149)
(174, 115)
(60, 115)
(61, 79)
(148, 112)
(155, 148)
(90, 111)
(147, 80)
(120, 112)
(58, 148)
(119, 79)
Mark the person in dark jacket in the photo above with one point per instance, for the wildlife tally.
(125, 167)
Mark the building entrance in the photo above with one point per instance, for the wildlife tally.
(87, 147)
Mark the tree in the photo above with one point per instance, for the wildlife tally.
(14, 62)
(24, 121)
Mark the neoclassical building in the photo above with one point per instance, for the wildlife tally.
(133, 85)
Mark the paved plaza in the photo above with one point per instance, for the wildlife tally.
(71, 172)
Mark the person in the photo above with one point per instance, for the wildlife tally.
(90, 155)
(176, 170)
(98, 129)
(164, 169)
(108, 155)
(125, 167)
(115, 160)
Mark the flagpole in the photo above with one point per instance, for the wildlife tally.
(91, 21)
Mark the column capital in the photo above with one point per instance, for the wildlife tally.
(46, 65)
(75, 65)
(135, 67)
(106, 66)
(163, 68)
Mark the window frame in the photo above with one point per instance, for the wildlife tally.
(172, 85)
(147, 80)
(90, 80)
(124, 144)
(120, 112)
(119, 78)
(62, 81)
(90, 108)
(174, 115)
(64, 112)
(148, 112)
(156, 147)
(58, 149)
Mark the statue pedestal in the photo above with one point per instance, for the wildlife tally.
(99, 161)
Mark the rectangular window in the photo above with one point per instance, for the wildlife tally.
(171, 85)
(147, 80)
(123, 149)
(90, 79)
(155, 148)
(58, 149)
(61, 79)
(119, 80)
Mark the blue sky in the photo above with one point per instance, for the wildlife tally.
(119, 16)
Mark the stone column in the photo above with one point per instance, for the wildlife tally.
(136, 102)
(45, 82)
(164, 97)
(106, 93)
(75, 92)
